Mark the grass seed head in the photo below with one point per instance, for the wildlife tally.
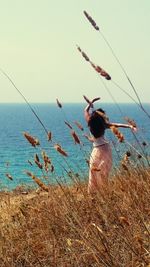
(117, 133)
(124, 166)
(58, 103)
(29, 173)
(60, 150)
(91, 20)
(46, 158)
(128, 153)
(83, 54)
(49, 136)
(98, 69)
(79, 125)
(79, 49)
(9, 176)
(75, 137)
(144, 143)
(30, 162)
(37, 158)
(68, 124)
(52, 168)
(32, 140)
(39, 164)
(101, 71)
(38, 181)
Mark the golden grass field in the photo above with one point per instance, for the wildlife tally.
(67, 227)
(64, 226)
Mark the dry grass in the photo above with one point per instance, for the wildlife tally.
(66, 227)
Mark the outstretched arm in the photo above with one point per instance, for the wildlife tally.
(121, 125)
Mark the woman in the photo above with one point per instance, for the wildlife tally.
(101, 156)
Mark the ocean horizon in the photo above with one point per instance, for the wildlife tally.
(16, 152)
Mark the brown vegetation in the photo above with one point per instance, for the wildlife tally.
(67, 227)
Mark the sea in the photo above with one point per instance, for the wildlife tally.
(17, 155)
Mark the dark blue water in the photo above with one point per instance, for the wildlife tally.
(15, 151)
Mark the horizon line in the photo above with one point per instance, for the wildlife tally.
(70, 103)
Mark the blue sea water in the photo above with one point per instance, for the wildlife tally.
(15, 151)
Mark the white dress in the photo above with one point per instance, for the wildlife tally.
(100, 164)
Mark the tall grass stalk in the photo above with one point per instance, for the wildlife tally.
(31, 108)
(91, 20)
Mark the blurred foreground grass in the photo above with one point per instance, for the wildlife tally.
(67, 227)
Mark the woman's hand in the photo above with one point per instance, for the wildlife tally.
(91, 102)
(133, 128)
(95, 99)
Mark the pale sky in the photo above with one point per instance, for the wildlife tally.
(38, 49)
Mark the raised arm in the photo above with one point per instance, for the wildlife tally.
(87, 113)
(111, 124)
(87, 109)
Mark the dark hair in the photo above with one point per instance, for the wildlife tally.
(97, 123)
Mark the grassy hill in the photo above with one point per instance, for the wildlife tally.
(67, 227)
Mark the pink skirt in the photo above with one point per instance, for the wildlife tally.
(100, 167)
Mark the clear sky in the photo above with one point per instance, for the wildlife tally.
(38, 48)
